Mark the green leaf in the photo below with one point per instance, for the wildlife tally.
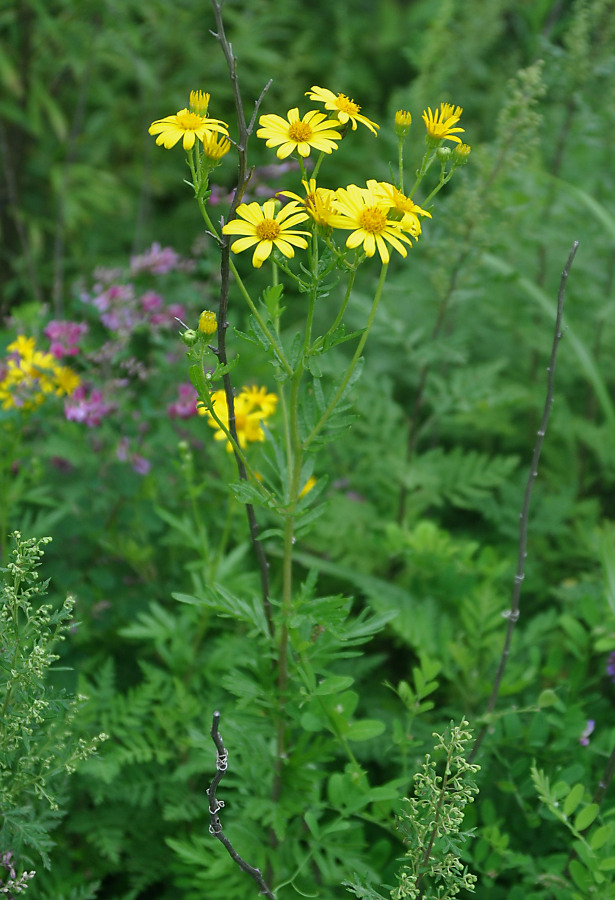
(600, 837)
(573, 799)
(365, 729)
(334, 684)
(548, 697)
(586, 816)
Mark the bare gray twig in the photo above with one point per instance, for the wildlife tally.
(243, 177)
(215, 805)
(512, 615)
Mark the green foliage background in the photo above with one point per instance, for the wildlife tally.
(416, 548)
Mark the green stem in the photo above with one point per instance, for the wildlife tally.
(353, 363)
(320, 341)
(400, 163)
(428, 158)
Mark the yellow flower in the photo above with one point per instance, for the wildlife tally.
(252, 406)
(318, 202)
(263, 227)
(346, 109)
(364, 211)
(440, 124)
(216, 146)
(30, 374)
(307, 487)
(462, 152)
(207, 322)
(313, 130)
(199, 102)
(186, 126)
(403, 209)
(67, 380)
(403, 121)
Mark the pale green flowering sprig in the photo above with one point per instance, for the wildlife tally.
(39, 746)
(431, 824)
(432, 820)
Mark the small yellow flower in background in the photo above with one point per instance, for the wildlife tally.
(402, 208)
(307, 487)
(67, 380)
(440, 124)
(345, 108)
(319, 203)
(29, 375)
(365, 212)
(215, 146)
(199, 102)
(263, 227)
(252, 407)
(293, 133)
(207, 322)
(403, 121)
(185, 126)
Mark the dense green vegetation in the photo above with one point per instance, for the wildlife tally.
(390, 592)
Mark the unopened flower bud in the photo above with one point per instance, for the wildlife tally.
(444, 154)
(462, 153)
(199, 102)
(189, 337)
(207, 322)
(403, 120)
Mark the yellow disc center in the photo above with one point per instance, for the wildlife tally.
(189, 121)
(344, 104)
(373, 220)
(267, 230)
(299, 132)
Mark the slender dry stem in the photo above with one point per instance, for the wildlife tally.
(513, 613)
(215, 805)
(243, 176)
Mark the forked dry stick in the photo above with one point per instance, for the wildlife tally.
(512, 614)
(215, 805)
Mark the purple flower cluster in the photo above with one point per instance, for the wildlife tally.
(185, 405)
(585, 735)
(122, 309)
(139, 463)
(65, 337)
(88, 409)
(159, 261)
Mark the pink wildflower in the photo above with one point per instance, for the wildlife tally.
(185, 405)
(87, 410)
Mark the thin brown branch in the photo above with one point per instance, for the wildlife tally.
(243, 176)
(512, 615)
(215, 805)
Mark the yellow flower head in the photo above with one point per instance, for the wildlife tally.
(345, 108)
(185, 126)
(266, 229)
(440, 124)
(363, 211)
(293, 133)
(207, 322)
(462, 153)
(403, 121)
(252, 407)
(29, 375)
(401, 208)
(215, 146)
(199, 102)
(319, 203)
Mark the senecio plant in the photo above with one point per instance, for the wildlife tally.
(317, 241)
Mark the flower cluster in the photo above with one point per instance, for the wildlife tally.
(65, 337)
(377, 215)
(252, 405)
(189, 125)
(28, 375)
